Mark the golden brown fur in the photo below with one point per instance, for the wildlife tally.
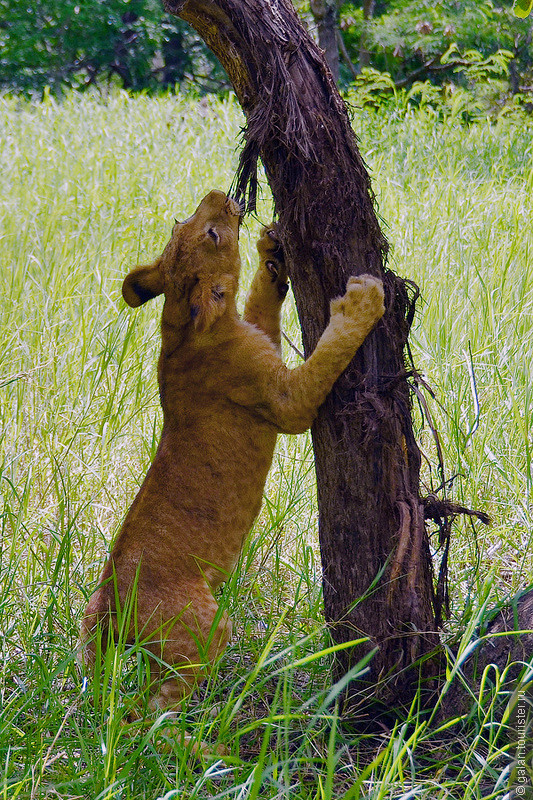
(225, 395)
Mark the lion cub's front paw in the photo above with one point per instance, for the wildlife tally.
(363, 302)
(271, 255)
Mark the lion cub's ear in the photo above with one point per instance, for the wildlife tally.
(208, 299)
(142, 284)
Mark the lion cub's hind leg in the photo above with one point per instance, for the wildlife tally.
(187, 648)
(269, 287)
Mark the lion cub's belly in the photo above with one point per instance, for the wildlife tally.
(200, 496)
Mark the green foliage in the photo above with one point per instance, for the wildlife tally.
(415, 41)
(132, 43)
(65, 43)
(522, 8)
(89, 187)
(479, 97)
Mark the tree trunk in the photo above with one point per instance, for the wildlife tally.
(325, 16)
(364, 53)
(377, 572)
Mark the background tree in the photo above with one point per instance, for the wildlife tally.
(326, 17)
(364, 53)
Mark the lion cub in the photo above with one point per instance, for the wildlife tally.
(225, 394)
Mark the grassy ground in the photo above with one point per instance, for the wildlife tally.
(89, 188)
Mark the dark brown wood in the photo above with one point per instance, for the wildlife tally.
(377, 571)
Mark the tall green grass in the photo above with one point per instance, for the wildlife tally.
(89, 187)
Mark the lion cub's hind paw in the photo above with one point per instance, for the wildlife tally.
(166, 739)
(169, 735)
(363, 301)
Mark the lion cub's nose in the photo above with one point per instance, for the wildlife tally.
(233, 208)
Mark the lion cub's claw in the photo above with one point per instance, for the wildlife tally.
(271, 253)
(273, 270)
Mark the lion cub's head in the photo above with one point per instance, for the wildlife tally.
(199, 268)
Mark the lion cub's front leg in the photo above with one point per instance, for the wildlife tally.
(269, 287)
(353, 315)
(290, 398)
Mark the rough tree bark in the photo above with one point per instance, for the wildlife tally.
(377, 571)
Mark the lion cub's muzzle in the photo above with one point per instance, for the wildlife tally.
(234, 208)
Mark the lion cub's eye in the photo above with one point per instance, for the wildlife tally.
(217, 293)
(214, 235)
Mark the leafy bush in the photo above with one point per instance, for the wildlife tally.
(478, 97)
(417, 41)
